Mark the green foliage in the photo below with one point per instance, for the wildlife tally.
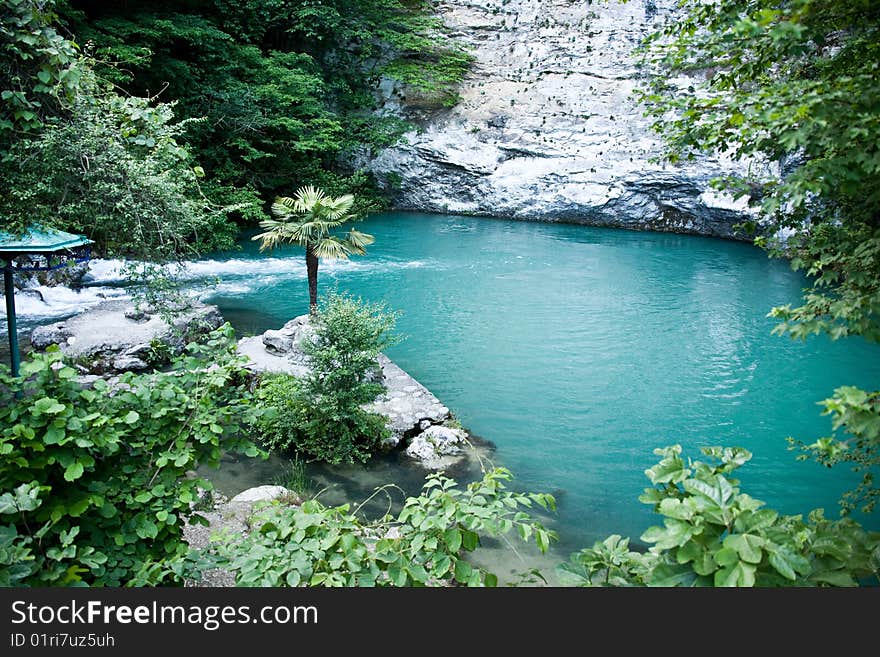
(858, 414)
(39, 69)
(288, 89)
(795, 83)
(715, 535)
(113, 169)
(280, 397)
(424, 545)
(95, 481)
(843, 261)
(322, 415)
(308, 219)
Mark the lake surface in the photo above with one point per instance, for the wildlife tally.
(578, 350)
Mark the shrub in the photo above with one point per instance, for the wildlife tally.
(96, 482)
(322, 415)
(423, 546)
(715, 535)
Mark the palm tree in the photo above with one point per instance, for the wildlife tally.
(306, 220)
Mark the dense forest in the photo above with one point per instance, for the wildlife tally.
(156, 127)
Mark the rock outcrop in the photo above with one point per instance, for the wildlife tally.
(547, 129)
(413, 412)
(438, 447)
(114, 337)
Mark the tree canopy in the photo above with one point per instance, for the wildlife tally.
(154, 126)
(287, 89)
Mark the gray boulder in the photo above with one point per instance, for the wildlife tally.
(260, 494)
(406, 403)
(44, 336)
(277, 342)
(115, 337)
(438, 447)
(130, 364)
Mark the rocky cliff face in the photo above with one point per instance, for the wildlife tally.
(547, 129)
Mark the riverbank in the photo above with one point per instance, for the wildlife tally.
(115, 337)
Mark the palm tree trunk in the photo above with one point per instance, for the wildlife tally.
(312, 270)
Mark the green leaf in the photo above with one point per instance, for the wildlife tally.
(718, 490)
(131, 417)
(667, 575)
(74, 471)
(670, 470)
(747, 546)
(469, 540)
(756, 520)
(726, 557)
(742, 574)
(453, 539)
(463, 571)
(48, 406)
(834, 578)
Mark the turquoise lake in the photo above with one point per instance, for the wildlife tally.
(578, 350)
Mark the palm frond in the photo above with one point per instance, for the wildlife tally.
(277, 232)
(332, 248)
(337, 208)
(359, 241)
(308, 198)
(284, 206)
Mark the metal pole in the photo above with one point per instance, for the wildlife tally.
(9, 291)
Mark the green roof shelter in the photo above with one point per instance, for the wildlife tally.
(38, 249)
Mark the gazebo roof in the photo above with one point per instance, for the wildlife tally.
(39, 240)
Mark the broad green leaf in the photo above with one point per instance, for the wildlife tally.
(669, 470)
(572, 574)
(469, 540)
(834, 578)
(726, 557)
(742, 574)
(719, 491)
(748, 546)
(453, 539)
(48, 406)
(754, 521)
(74, 471)
(462, 571)
(675, 508)
(667, 575)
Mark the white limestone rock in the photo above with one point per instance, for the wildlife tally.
(437, 447)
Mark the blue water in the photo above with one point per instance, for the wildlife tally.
(578, 350)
